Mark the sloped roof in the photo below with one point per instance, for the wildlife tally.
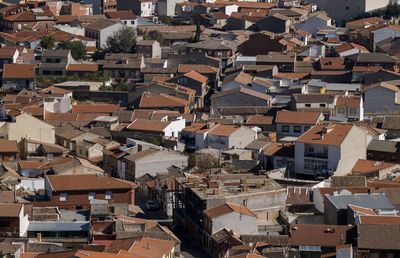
(293, 117)
(8, 146)
(244, 91)
(333, 135)
(226, 208)
(19, 71)
(319, 235)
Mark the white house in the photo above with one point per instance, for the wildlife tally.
(328, 149)
(162, 128)
(291, 123)
(233, 217)
(350, 49)
(349, 107)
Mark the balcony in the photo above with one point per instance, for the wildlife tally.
(318, 155)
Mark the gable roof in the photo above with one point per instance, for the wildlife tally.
(10, 209)
(196, 76)
(260, 120)
(373, 201)
(223, 130)
(348, 101)
(226, 208)
(369, 166)
(95, 108)
(120, 15)
(200, 68)
(149, 100)
(319, 235)
(331, 135)
(148, 125)
(349, 46)
(87, 182)
(8, 146)
(293, 117)
(242, 90)
(19, 71)
(100, 24)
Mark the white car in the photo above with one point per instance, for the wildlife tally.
(151, 205)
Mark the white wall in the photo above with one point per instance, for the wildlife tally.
(174, 128)
(33, 184)
(239, 223)
(23, 222)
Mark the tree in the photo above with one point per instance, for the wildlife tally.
(47, 42)
(188, 60)
(122, 41)
(78, 49)
(122, 84)
(198, 32)
(166, 20)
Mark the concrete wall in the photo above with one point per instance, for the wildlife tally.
(105, 33)
(291, 132)
(33, 184)
(237, 99)
(380, 100)
(164, 159)
(313, 25)
(242, 137)
(18, 84)
(350, 154)
(239, 223)
(37, 129)
(23, 222)
(384, 33)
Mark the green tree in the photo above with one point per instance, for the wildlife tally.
(122, 41)
(198, 32)
(78, 49)
(166, 20)
(98, 55)
(188, 60)
(122, 85)
(154, 35)
(47, 42)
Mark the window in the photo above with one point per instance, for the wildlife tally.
(46, 72)
(4, 224)
(352, 111)
(125, 22)
(297, 129)
(92, 195)
(322, 105)
(63, 197)
(58, 73)
(306, 128)
(132, 22)
(108, 195)
(285, 128)
(307, 105)
(341, 110)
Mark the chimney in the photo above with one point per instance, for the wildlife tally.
(39, 237)
(216, 191)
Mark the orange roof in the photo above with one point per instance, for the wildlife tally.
(196, 76)
(10, 209)
(331, 135)
(54, 89)
(247, 4)
(8, 146)
(151, 247)
(7, 52)
(149, 100)
(60, 116)
(224, 130)
(95, 108)
(194, 127)
(380, 220)
(260, 120)
(121, 15)
(86, 182)
(383, 84)
(19, 71)
(83, 67)
(371, 69)
(332, 63)
(348, 101)
(366, 22)
(147, 125)
(200, 68)
(348, 46)
(226, 208)
(369, 166)
(30, 164)
(293, 117)
(362, 210)
(292, 75)
(34, 111)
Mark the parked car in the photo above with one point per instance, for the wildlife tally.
(151, 205)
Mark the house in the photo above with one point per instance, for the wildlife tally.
(278, 156)
(223, 49)
(211, 72)
(327, 149)
(9, 150)
(19, 76)
(291, 123)
(13, 219)
(233, 217)
(388, 151)
(142, 8)
(24, 19)
(236, 80)
(378, 59)
(277, 23)
(381, 98)
(164, 102)
(378, 239)
(142, 163)
(8, 55)
(391, 125)
(151, 247)
(386, 32)
(101, 29)
(372, 168)
(336, 206)
(225, 137)
(92, 149)
(37, 130)
(122, 65)
(315, 22)
(342, 11)
(81, 70)
(263, 122)
(78, 191)
(238, 97)
(313, 103)
(284, 61)
(157, 128)
(349, 50)
(320, 239)
(252, 46)
(54, 63)
(365, 23)
(126, 17)
(148, 48)
(349, 107)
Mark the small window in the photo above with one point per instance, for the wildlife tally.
(108, 195)
(341, 110)
(297, 129)
(285, 128)
(92, 196)
(307, 105)
(353, 111)
(132, 22)
(63, 197)
(322, 105)
(306, 128)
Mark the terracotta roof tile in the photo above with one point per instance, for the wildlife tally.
(196, 76)
(121, 15)
(149, 100)
(226, 208)
(348, 101)
(147, 125)
(369, 166)
(223, 130)
(95, 108)
(349, 46)
(10, 209)
(8, 146)
(292, 117)
(260, 120)
(332, 63)
(362, 210)
(380, 220)
(19, 71)
(86, 182)
(331, 135)
(291, 75)
(83, 67)
(200, 68)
